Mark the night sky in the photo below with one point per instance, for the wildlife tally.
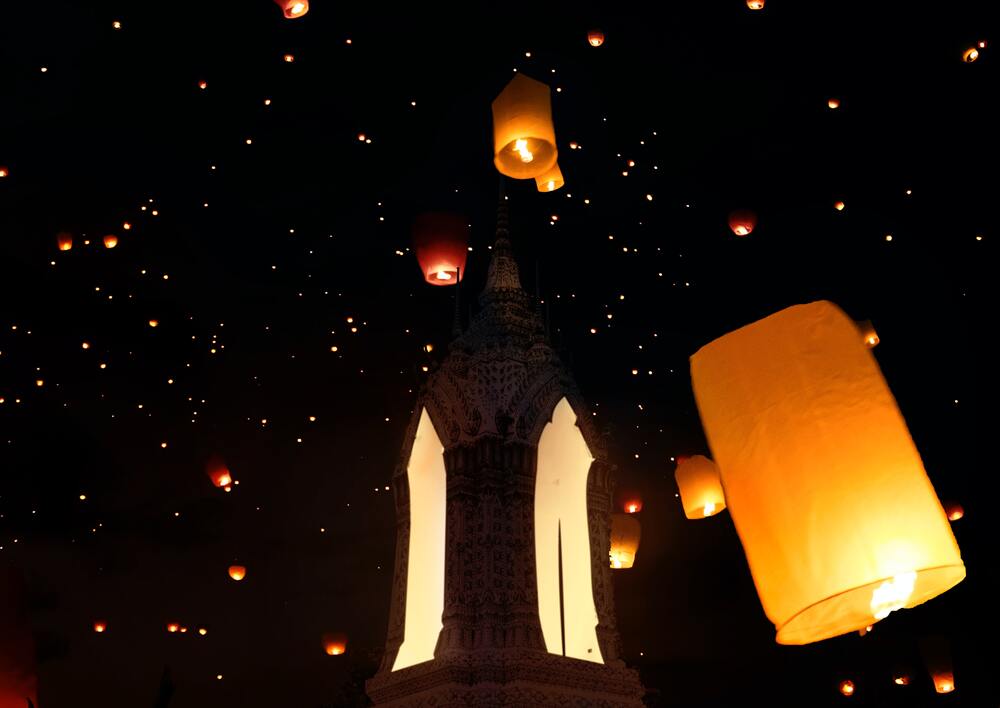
(272, 246)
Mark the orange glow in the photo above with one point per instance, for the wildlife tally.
(173, 627)
(203, 85)
(4, 171)
(64, 241)
(626, 532)
(847, 687)
(110, 241)
(970, 55)
(742, 222)
(901, 680)
(218, 472)
(700, 487)
(154, 323)
(100, 626)
(334, 644)
(839, 206)
(868, 333)
(551, 180)
(954, 510)
(524, 138)
(293, 8)
(289, 58)
(633, 506)
(828, 494)
(833, 103)
(127, 226)
(944, 681)
(237, 572)
(755, 4)
(595, 37)
(440, 241)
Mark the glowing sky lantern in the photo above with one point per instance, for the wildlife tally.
(64, 241)
(700, 487)
(837, 517)
(839, 205)
(293, 8)
(868, 334)
(110, 241)
(441, 242)
(755, 4)
(626, 533)
(936, 651)
(954, 510)
(334, 644)
(833, 104)
(524, 138)
(173, 627)
(551, 180)
(970, 55)
(237, 572)
(633, 506)
(100, 626)
(742, 222)
(595, 37)
(4, 171)
(846, 687)
(218, 472)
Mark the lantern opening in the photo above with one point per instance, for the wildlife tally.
(892, 595)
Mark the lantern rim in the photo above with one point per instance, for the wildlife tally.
(545, 154)
(849, 610)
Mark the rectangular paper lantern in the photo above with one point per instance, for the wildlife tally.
(837, 517)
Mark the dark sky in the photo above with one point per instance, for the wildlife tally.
(719, 107)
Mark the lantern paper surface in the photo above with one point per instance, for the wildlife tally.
(625, 535)
(700, 487)
(441, 242)
(837, 517)
(524, 139)
(551, 180)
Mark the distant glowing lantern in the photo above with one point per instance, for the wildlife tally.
(868, 334)
(110, 241)
(742, 222)
(936, 651)
(551, 180)
(837, 517)
(289, 58)
(173, 627)
(293, 8)
(833, 104)
(237, 572)
(441, 242)
(64, 241)
(901, 679)
(4, 171)
(755, 4)
(839, 206)
(100, 626)
(970, 55)
(334, 644)
(154, 323)
(625, 535)
(218, 472)
(633, 506)
(700, 487)
(595, 37)
(847, 687)
(954, 510)
(524, 139)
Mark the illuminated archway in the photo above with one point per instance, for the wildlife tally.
(562, 540)
(425, 474)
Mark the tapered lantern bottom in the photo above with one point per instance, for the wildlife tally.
(856, 609)
(445, 275)
(526, 158)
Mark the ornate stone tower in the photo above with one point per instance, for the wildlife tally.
(502, 593)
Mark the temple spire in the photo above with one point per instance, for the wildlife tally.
(503, 273)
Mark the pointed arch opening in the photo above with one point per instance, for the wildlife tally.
(425, 474)
(566, 607)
